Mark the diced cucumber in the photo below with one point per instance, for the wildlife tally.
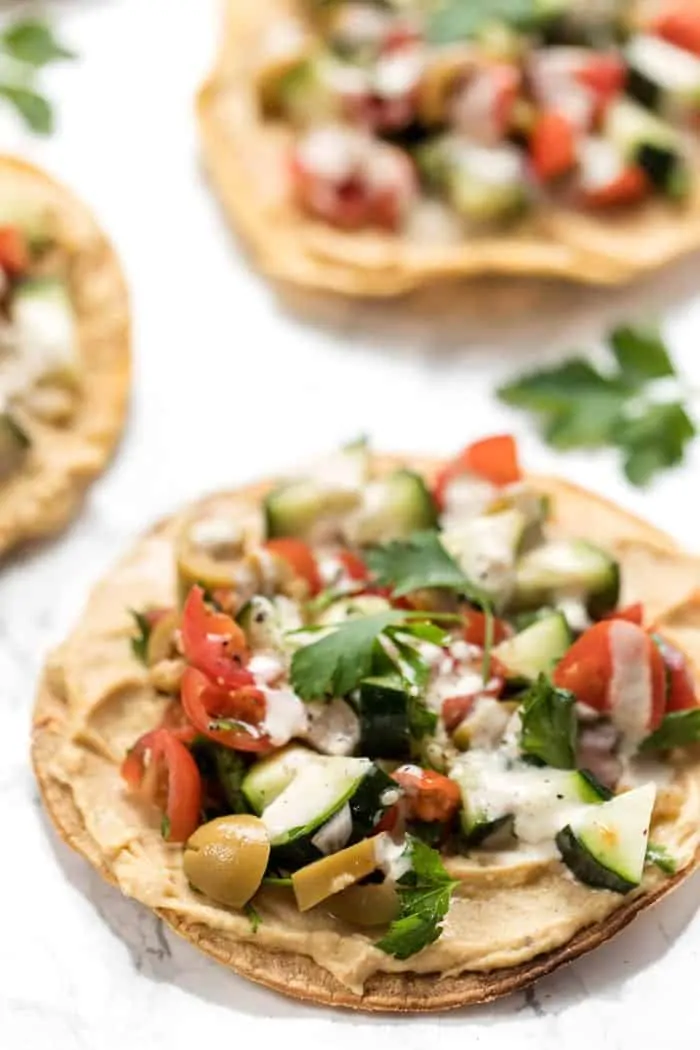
(606, 846)
(567, 568)
(538, 802)
(31, 216)
(318, 790)
(486, 549)
(375, 794)
(349, 608)
(662, 76)
(268, 778)
(392, 508)
(42, 313)
(14, 444)
(484, 185)
(332, 487)
(535, 650)
(266, 621)
(385, 718)
(651, 143)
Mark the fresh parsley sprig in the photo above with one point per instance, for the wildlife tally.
(581, 405)
(678, 729)
(139, 641)
(424, 896)
(337, 663)
(26, 47)
(421, 562)
(548, 725)
(454, 20)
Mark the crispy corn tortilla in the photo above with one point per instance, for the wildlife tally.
(246, 160)
(46, 491)
(521, 922)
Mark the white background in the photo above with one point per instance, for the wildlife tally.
(231, 383)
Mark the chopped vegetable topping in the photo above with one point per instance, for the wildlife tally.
(342, 742)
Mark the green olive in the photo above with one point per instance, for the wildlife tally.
(330, 875)
(444, 70)
(226, 858)
(375, 904)
(161, 640)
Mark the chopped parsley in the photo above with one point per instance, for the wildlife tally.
(424, 898)
(548, 731)
(581, 405)
(139, 642)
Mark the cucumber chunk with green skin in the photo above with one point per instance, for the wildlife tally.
(536, 801)
(269, 777)
(14, 445)
(606, 846)
(486, 549)
(385, 718)
(348, 608)
(375, 794)
(661, 76)
(317, 791)
(392, 508)
(332, 487)
(651, 143)
(32, 218)
(535, 650)
(567, 568)
(42, 313)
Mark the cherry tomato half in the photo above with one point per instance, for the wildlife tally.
(161, 768)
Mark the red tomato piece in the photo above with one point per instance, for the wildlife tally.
(456, 708)
(161, 768)
(14, 251)
(597, 668)
(553, 146)
(354, 566)
(175, 721)
(429, 795)
(494, 459)
(630, 186)
(606, 76)
(205, 705)
(214, 643)
(680, 685)
(300, 556)
(632, 613)
(475, 628)
(358, 199)
(679, 23)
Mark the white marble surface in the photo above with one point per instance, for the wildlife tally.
(217, 356)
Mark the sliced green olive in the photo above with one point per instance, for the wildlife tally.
(330, 875)
(444, 70)
(162, 638)
(226, 858)
(375, 904)
(209, 551)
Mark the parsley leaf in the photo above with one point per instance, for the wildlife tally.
(660, 856)
(641, 352)
(254, 917)
(458, 19)
(139, 643)
(27, 46)
(338, 662)
(654, 440)
(424, 896)
(548, 730)
(165, 826)
(231, 768)
(582, 406)
(32, 42)
(421, 562)
(415, 564)
(677, 729)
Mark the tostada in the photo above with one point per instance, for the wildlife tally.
(390, 733)
(372, 148)
(64, 352)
